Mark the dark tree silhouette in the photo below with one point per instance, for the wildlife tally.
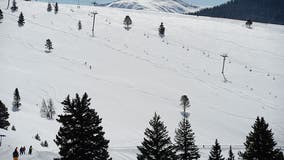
(79, 25)
(127, 22)
(231, 154)
(14, 7)
(16, 102)
(49, 7)
(48, 45)
(4, 116)
(56, 8)
(1, 15)
(215, 153)
(162, 30)
(260, 143)
(21, 20)
(81, 135)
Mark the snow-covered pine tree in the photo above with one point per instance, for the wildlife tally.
(4, 115)
(1, 15)
(49, 7)
(127, 22)
(157, 144)
(16, 102)
(231, 154)
(79, 25)
(185, 143)
(215, 153)
(81, 135)
(21, 20)
(260, 143)
(43, 109)
(50, 109)
(14, 6)
(162, 30)
(48, 45)
(56, 8)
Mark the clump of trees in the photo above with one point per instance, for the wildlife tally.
(1, 15)
(44, 143)
(14, 7)
(4, 116)
(127, 22)
(49, 7)
(249, 23)
(21, 20)
(16, 102)
(47, 110)
(48, 46)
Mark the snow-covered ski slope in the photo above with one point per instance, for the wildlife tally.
(136, 73)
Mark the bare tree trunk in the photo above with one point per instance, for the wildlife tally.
(8, 4)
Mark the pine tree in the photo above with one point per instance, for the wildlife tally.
(231, 154)
(185, 143)
(81, 135)
(49, 7)
(16, 102)
(157, 144)
(21, 20)
(43, 109)
(215, 153)
(260, 143)
(50, 109)
(79, 25)
(127, 22)
(162, 30)
(48, 45)
(1, 15)
(56, 8)
(4, 115)
(13, 128)
(14, 6)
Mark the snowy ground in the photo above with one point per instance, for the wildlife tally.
(136, 73)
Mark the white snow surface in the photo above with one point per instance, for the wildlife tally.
(172, 6)
(136, 73)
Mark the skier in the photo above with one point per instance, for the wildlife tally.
(24, 150)
(30, 150)
(16, 154)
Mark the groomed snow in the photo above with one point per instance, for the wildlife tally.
(136, 73)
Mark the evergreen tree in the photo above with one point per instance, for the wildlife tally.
(185, 143)
(50, 109)
(49, 7)
(215, 153)
(43, 109)
(1, 15)
(56, 8)
(157, 144)
(4, 115)
(162, 30)
(21, 20)
(48, 45)
(13, 128)
(127, 22)
(16, 102)
(81, 135)
(14, 6)
(260, 143)
(79, 25)
(231, 154)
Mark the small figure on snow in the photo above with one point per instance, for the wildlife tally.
(30, 150)
(162, 30)
(16, 154)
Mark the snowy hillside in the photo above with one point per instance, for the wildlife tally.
(172, 6)
(136, 73)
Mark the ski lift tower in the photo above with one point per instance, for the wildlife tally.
(94, 18)
(1, 138)
(223, 67)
